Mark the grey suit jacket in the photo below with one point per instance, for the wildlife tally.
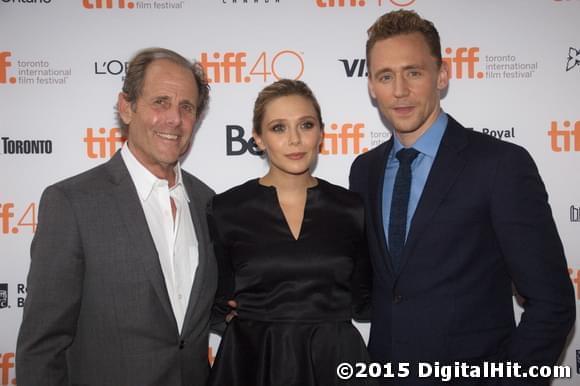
(97, 311)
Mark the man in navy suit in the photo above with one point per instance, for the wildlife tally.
(456, 221)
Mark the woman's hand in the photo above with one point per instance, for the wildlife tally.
(233, 305)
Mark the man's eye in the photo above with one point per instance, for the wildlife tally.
(385, 77)
(188, 108)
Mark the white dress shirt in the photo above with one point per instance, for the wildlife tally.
(175, 240)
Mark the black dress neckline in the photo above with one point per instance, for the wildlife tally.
(319, 181)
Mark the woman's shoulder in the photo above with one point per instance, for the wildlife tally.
(339, 193)
(237, 195)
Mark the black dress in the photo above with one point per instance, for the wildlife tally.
(296, 297)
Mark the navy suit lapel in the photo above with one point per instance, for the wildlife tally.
(447, 166)
(377, 179)
(141, 242)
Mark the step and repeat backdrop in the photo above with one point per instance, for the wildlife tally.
(515, 75)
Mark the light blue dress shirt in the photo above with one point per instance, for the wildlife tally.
(427, 145)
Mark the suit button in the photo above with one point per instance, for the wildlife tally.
(181, 345)
(397, 299)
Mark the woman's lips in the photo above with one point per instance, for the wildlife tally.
(295, 156)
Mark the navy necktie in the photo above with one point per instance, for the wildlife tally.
(399, 205)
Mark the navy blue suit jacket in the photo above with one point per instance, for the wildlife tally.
(483, 222)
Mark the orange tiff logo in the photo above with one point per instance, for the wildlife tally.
(100, 4)
(575, 278)
(232, 67)
(4, 64)
(343, 139)
(461, 62)
(12, 221)
(105, 143)
(340, 3)
(360, 3)
(564, 139)
(6, 368)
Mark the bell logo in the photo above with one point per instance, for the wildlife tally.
(462, 61)
(230, 67)
(97, 144)
(343, 139)
(237, 145)
(561, 139)
(4, 64)
(100, 4)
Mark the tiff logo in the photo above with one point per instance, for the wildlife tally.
(565, 139)
(462, 61)
(99, 4)
(231, 61)
(575, 279)
(6, 213)
(360, 3)
(574, 213)
(97, 144)
(27, 219)
(4, 64)
(236, 67)
(6, 368)
(343, 139)
(340, 3)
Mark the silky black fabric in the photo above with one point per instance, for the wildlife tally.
(296, 297)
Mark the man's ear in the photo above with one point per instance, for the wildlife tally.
(124, 108)
(443, 77)
(371, 88)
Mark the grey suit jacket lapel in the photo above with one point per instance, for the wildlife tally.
(198, 217)
(132, 214)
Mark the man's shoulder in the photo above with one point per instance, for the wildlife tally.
(92, 180)
(200, 187)
(372, 155)
(484, 146)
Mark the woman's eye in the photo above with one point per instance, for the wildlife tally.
(308, 125)
(277, 128)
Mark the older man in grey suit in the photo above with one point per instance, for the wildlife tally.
(122, 274)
